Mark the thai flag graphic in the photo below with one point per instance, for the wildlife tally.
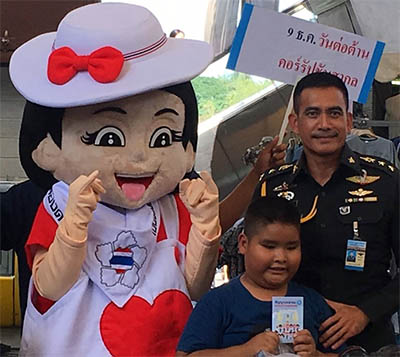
(122, 260)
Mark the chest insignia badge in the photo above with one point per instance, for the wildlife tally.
(289, 195)
(283, 187)
(351, 160)
(363, 180)
(344, 210)
(360, 192)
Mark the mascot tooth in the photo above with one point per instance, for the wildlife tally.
(128, 234)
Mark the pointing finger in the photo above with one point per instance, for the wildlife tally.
(89, 180)
(212, 187)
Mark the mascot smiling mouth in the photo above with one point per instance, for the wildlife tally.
(133, 187)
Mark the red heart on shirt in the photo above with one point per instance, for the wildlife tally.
(141, 329)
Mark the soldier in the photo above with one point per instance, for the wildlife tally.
(348, 201)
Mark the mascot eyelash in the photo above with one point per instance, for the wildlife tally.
(112, 136)
(164, 136)
(106, 136)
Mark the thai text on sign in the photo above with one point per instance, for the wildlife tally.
(281, 47)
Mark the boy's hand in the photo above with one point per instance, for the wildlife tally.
(200, 197)
(267, 341)
(84, 194)
(272, 155)
(347, 322)
(304, 344)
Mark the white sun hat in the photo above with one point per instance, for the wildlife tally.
(150, 59)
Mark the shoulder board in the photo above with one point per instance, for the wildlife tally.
(377, 163)
(286, 168)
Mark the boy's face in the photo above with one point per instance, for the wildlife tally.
(135, 143)
(272, 255)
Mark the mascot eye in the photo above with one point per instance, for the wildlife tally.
(162, 137)
(106, 136)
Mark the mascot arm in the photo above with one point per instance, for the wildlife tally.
(57, 269)
(200, 197)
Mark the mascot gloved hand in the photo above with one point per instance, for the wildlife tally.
(201, 199)
(118, 249)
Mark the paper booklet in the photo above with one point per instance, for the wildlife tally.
(287, 316)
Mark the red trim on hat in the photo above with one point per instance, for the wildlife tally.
(146, 50)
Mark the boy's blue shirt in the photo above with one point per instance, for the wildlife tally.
(229, 315)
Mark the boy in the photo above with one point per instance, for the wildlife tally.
(232, 319)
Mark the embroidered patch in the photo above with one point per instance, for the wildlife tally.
(289, 195)
(344, 210)
(121, 260)
(283, 187)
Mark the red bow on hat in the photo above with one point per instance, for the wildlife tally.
(104, 64)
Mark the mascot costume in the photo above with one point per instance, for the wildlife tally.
(128, 234)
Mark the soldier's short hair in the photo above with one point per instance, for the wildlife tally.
(319, 80)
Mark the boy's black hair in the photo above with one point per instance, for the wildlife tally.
(319, 80)
(38, 121)
(268, 210)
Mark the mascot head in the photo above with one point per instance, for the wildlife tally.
(110, 92)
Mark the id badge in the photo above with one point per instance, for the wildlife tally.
(355, 254)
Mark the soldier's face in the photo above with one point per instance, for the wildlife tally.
(322, 121)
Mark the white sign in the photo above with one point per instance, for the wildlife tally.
(281, 47)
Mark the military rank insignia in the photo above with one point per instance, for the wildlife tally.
(368, 159)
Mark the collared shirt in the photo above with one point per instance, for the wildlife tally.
(364, 189)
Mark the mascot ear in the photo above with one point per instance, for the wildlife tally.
(47, 154)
